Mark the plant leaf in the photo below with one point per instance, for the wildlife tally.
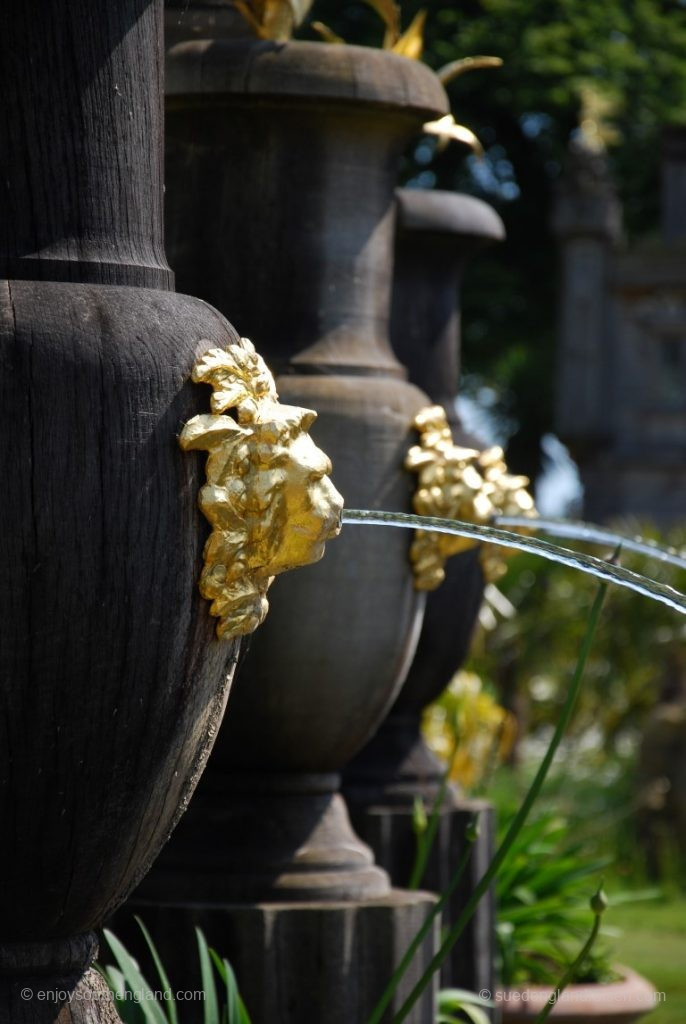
(458, 67)
(236, 1012)
(161, 973)
(151, 1010)
(475, 1014)
(457, 998)
(411, 42)
(210, 1003)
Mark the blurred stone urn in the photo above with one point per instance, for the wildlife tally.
(437, 233)
(113, 680)
(282, 161)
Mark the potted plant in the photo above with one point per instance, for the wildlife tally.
(543, 919)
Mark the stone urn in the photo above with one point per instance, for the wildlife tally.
(625, 1001)
(282, 161)
(113, 679)
(437, 233)
(309, 136)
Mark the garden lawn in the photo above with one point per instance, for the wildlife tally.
(653, 942)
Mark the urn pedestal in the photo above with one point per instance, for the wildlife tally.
(281, 166)
(113, 684)
(437, 232)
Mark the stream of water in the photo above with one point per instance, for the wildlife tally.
(597, 567)
(592, 534)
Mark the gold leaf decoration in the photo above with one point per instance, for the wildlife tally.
(448, 130)
(268, 495)
(389, 12)
(458, 483)
(411, 42)
(327, 34)
(458, 67)
(273, 19)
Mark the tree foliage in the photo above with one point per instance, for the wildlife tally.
(631, 52)
(638, 657)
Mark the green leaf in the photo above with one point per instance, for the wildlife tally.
(457, 998)
(236, 1012)
(211, 1004)
(476, 1015)
(161, 973)
(134, 980)
(515, 826)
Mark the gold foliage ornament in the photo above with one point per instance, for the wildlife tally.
(268, 496)
(458, 483)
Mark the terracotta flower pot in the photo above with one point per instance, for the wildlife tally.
(619, 1002)
(282, 161)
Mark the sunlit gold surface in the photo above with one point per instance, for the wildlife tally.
(458, 483)
(268, 496)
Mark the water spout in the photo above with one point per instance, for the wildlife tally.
(597, 567)
(590, 533)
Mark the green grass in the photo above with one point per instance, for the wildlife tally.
(653, 942)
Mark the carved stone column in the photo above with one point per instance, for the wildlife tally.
(437, 233)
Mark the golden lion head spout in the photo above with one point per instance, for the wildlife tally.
(458, 483)
(268, 495)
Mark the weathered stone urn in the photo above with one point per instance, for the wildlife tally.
(309, 137)
(437, 233)
(113, 682)
(282, 161)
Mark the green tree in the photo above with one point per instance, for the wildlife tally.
(631, 51)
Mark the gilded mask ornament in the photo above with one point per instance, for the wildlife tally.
(458, 483)
(268, 496)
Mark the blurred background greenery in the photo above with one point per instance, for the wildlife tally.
(627, 60)
(613, 808)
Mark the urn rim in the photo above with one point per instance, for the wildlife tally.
(437, 211)
(302, 72)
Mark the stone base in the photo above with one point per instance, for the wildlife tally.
(390, 834)
(296, 963)
(264, 838)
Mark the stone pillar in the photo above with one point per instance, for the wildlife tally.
(673, 174)
(587, 222)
